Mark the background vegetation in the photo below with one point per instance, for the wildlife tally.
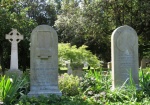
(79, 22)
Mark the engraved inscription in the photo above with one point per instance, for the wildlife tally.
(46, 76)
(45, 69)
(126, 61)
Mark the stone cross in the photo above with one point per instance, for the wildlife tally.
(14, 37)
(124, 56)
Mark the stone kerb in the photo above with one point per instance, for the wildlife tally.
(44, 61)
(124, 56)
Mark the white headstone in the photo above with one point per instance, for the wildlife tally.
(86, 64)
(44, 61)
(69, 71)
(124, 56)
(14, 37)
(109, 65)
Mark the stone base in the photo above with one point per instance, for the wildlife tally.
(44, 92)
(13, 72)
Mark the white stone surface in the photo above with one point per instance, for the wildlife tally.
(109, 65)
(69, 71)
(44, 61)
(124, 56)
(14, 37)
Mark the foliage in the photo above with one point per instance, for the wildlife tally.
(145, 80)
(92, 23)
(53, 100)
(10, 88)
(92, 80)
(77, 56)
(14, 16)
(68, 84)
(95, 90)
(95, 83)
(43, 12)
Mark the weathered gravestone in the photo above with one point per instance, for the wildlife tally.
(109, 65)
(124, 53)
(44, 61)
(14, 37)
(69, 71)
(144, 63)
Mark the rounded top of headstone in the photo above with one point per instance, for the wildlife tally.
(125, 37)
(44, 28)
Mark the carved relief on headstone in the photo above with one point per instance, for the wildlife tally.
(44, 61)
(14, 38)
(124, 53)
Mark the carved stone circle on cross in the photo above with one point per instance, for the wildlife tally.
(14, 36)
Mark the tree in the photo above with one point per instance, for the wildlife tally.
(42, 11)
(76, 25)
(92, 23)
(14, 16)
(76, 56)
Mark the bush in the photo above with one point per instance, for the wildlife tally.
(68, 84)
(96, 86)
(53, 100)
(95, 83)
(77, 56)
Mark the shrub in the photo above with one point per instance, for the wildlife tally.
(94, 83)
(53, 100)
(97, 86)
(77, 56)
(68, 84)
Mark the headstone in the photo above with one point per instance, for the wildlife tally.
(14, 37)
(109, 65)
(69, 71)
(143, 63)
(86, 64)
(44, 61)
(124, 56)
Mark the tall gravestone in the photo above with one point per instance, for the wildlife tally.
(124, 56)
(44, 61)
(14, 37)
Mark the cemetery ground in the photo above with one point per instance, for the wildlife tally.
(93, 88)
